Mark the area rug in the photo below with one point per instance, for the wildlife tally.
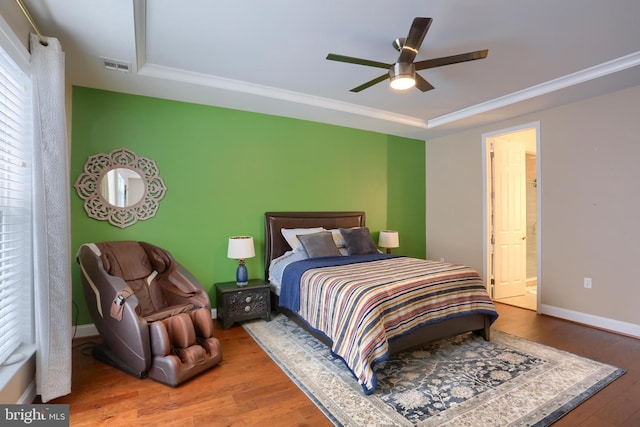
(462, 381)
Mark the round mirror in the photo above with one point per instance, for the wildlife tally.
(120, 187)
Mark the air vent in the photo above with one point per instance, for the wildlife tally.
(116, 65)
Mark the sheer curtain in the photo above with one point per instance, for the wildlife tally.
(52, 247)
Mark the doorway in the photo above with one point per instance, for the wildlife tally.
(511, 192)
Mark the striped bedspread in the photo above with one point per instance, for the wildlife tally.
(362, 306)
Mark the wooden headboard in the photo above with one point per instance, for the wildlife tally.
(276, 245)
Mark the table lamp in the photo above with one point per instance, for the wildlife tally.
(241, 248)
(388, 239)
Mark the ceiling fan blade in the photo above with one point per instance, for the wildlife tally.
(414, 39)
(422, 84)
(371, 83)
(359, 61)
(454, 59)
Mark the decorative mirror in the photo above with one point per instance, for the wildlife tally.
(120, 187)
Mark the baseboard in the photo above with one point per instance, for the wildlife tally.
(89, 330)
(29, 395)
(612, 325)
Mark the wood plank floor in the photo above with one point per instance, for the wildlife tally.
(248, 389)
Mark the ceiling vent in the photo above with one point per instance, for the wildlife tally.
(116, 65)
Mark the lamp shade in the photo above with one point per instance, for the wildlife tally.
(241, 247)
(388, 239)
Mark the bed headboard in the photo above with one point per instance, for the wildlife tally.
(276, 245)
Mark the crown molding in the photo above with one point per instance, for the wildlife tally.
(176, 74)
(601, 70)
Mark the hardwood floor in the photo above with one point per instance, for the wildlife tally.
(618, 404)
(245, 389)
(529, 300)
(248, 389)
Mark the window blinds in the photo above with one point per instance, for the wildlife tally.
(16, 278)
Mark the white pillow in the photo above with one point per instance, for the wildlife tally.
(290, 234)
(277, 266)
(337, 238)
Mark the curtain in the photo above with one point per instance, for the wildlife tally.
(52, 247)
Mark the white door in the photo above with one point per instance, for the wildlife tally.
(509, 218)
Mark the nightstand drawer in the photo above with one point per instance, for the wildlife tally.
(236, 304)
(250, 303)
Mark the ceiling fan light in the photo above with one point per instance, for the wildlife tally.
(402, 76)
(402, 82)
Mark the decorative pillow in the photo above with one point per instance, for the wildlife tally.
(337, 238)
(290, 235)
(359, 241)
(319, 244)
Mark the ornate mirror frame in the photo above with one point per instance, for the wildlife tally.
(89, 183)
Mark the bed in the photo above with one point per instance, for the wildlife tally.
(388, 324)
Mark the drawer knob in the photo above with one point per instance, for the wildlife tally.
(247, 300)
(247, 308)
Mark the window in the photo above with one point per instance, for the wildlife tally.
(16, 277)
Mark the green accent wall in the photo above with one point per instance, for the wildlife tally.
(406, 192)
(224, 169)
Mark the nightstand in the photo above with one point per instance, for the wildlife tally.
(235, 304)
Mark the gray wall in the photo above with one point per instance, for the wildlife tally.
(589, 226)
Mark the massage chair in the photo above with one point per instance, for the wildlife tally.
(154, 317)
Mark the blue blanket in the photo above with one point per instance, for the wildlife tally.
(290, 289)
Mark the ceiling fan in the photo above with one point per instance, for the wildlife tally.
(403, 72)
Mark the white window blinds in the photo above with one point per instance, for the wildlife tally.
(16, 278)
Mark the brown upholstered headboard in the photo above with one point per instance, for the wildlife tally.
(276, 245)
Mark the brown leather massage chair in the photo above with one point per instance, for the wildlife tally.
(153, 315)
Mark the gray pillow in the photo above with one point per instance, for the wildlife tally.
(319, 244)
(359, 241)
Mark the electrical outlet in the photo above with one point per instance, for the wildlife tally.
(587, 282)
(441, 259)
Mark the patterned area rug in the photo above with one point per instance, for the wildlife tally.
(462, 381)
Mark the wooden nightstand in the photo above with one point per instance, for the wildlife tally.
(236, 304)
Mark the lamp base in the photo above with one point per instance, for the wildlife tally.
(242, 277)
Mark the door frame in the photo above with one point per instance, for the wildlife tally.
(486, 204)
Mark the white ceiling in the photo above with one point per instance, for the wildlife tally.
(269, 56)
